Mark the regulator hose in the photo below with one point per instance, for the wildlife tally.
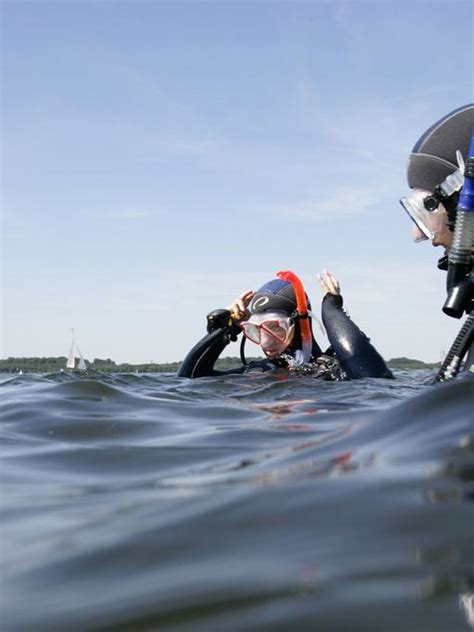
(452, 363)
(243, 359)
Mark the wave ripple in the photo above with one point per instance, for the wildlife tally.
(150, 502)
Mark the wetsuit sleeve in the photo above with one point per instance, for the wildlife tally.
(200, 361)
(358, 357)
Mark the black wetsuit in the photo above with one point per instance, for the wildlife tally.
(350, 355)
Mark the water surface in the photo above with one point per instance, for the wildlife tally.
(258, 502)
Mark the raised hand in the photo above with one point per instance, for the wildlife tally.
(328, 282)
(239, 306)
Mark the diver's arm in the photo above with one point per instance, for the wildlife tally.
(358, 357)
(200, 361)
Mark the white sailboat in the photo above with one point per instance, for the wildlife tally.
(81, 365)
(71, 359)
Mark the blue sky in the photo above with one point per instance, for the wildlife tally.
(160, 157)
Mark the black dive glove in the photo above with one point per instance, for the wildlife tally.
(222, 319)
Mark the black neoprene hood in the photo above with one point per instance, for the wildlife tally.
(276, 295)
(433, 157)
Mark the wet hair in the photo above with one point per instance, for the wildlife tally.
(433, 158)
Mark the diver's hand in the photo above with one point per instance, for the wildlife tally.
(329, 283)
(239, 306)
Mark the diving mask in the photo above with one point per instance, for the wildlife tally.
(276, 324)
(423, 206)
(428, 222)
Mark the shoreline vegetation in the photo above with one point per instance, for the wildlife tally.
(57, 364)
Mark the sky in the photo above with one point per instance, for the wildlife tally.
(160, 157)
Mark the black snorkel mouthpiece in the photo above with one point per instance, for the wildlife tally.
(460, 282)
(443, 263)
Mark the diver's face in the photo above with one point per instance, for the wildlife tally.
(438, 223)
(442, 237)
(272, 330)
(271, 346)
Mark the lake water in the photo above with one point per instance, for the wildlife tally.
(241, 503)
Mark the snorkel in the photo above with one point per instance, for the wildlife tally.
(302, 309)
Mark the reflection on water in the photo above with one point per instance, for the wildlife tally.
(148, 502)
(466, 601)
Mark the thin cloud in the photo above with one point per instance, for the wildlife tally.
(349, 202)
(133, 214)
(130, 214)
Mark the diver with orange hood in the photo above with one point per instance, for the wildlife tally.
(277, 317)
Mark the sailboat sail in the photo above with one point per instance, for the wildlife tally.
(82, 363)
(71, 360)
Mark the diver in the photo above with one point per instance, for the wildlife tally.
(277, 317)
(440, 208)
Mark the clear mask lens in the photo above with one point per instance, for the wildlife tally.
(277, 329)
(423, 219)
(252, 332)
(428, 222)
(278, 326)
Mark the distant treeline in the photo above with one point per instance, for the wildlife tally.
(407, 364)
(53, 365)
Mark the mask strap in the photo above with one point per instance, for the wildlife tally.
(319, 323)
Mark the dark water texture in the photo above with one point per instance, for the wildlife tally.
(261, 502)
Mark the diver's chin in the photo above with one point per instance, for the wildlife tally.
(271, 353)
